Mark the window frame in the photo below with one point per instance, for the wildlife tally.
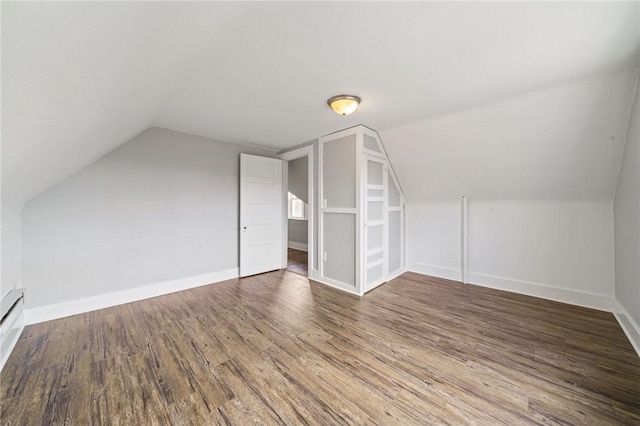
(291, 199)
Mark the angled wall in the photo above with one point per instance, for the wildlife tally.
(160, 208)
(626, 210)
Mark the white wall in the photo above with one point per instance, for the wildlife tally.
(522, 245)
(557, 250)
(627, 232)
(299, 178)
(163, 206)
(433, 239)
(298, 185)
(539, 170)
(298, 233)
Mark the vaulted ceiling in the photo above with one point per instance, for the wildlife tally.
(510, 86)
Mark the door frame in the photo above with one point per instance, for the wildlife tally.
(305, 151)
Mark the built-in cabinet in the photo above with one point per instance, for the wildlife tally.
(361, 212)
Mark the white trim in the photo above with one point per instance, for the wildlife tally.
(337, 285)
(600, 302)
(373, 287)
(384, 151)
(403, 215)
(88, 304)
(297, 153)
(314, 275)
(323, 210)
(367, 224)
(395, 274)
(321, 205)
(285, 221)
(628, 324)
(340, 133)
(376, 154)
(305, 151)
(464, 240)
(435, 271)
(360, 213)
(340, 210)
(298, 246)
(10, 332)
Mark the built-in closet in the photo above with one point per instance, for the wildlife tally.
(361, 212)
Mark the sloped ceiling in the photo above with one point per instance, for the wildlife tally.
(81, 78)
(564, 142)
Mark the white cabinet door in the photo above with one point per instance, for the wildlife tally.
(261, 214)
(375, 247)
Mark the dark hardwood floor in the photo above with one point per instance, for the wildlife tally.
(276, 349)
(297, 261)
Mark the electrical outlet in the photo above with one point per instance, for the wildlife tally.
(324, 256)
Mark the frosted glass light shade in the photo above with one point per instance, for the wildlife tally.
(344, 104)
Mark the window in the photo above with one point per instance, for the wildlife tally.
(297, 208)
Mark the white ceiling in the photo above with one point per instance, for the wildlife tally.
(79, 79)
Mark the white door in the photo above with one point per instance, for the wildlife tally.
(375, 222)
(261, 213)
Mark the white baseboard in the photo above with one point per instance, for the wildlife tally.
(10, 332)
(374, 287)
(79, 306)
(630, 327)
(395, 274)
(336, 284)
(600, 302)
(298, 246)
(579, 298)
(435, 271)
(314, 274)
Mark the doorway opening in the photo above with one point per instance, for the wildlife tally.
(297, 261)
(298, 229)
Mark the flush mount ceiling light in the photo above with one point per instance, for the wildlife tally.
(344, 104)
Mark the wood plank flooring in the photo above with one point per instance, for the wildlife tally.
(297, 261)
(276, 349)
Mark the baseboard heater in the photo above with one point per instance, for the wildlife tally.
(11, 322)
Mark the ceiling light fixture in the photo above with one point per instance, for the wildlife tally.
(344, 104)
